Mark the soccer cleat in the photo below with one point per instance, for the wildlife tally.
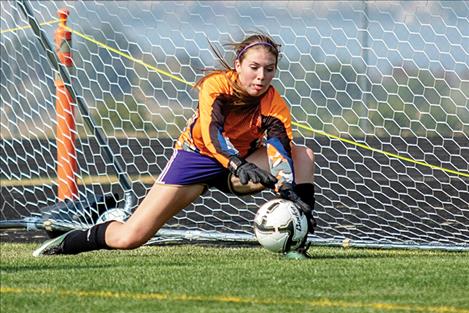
(296, 255)
(51, 247)
(300, 253)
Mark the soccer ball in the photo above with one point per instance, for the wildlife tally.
(113, 214)
(280, 226)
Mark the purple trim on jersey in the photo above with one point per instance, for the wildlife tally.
(188, 168)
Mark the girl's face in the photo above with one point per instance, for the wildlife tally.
(256, 70)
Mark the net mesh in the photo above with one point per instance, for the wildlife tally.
(379, 90)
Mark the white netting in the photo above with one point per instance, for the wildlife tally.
(379, 90)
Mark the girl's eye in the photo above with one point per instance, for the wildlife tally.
(256, 68)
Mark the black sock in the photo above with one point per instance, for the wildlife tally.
(306, 193)
(86, 240)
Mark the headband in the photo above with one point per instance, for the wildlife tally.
(263, 43)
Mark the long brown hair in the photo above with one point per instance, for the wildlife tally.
(241, 97)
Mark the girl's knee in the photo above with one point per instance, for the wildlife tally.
(303, 154)
(303, 162)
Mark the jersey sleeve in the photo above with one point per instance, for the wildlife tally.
(212, 117)
(277, 124)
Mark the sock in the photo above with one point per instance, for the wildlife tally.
(306, 193)
(86, 240)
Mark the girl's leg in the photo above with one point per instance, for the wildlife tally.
(160, 204)
(303, 162)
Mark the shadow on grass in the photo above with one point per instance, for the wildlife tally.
(51, 267)
(93, 261)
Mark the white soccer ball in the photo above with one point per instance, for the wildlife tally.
(114, 215)
(280, 226)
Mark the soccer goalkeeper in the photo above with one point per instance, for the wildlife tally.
(239, 141)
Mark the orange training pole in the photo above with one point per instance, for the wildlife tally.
(65, 134)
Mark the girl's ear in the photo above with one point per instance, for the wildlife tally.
(237, 65)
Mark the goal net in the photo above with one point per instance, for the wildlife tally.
(379, 90)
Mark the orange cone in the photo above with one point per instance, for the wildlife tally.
(66, 130)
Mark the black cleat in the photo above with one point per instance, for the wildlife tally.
(51, 247)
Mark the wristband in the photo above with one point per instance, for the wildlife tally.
(234, 163)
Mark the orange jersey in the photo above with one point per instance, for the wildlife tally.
(220, 130)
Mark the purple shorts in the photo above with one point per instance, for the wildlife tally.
(188, 168)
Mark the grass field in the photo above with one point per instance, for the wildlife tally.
(192, 278)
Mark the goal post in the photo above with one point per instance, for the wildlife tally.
(379, 90)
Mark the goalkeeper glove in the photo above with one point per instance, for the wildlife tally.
(247, 171)
(286, 192)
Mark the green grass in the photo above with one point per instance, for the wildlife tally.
(190, 278)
